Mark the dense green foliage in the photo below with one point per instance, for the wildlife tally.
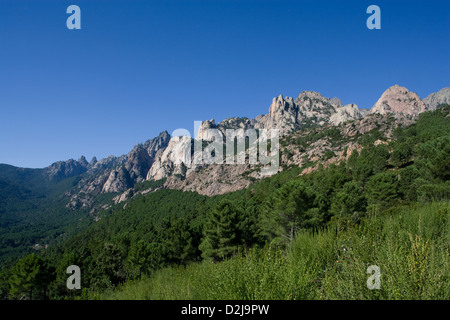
(32, 212)
(409, 244)
(288, 236)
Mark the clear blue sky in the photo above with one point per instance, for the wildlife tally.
(139, 67)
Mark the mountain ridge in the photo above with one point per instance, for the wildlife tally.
(157, 158)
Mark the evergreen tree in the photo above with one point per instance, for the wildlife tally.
(180, 241)
(402, 154)
(110, 264)
(434, 158)
(382, 188)
(30, 275)
(291, 207)
(221, 231)
(139, 258)
(59, 286)
(408, 183)
(349, 200)
(4, 284)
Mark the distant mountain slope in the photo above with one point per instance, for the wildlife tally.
(436, 99)
(14, 198)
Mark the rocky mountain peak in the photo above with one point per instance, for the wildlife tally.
(160, 142)
(82, 161)
(309, 94)
(203, 131)
(174, 159)
(66, 169)
(280, 104)
(436, 99)
(138, 163)
(93, 162)
(399, 101)
(316, 98)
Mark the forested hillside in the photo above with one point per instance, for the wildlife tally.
(32, 212)
(289, 236)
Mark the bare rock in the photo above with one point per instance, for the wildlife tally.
(118, 181)
(400, 102)
(346, 113)
(437, 99)
(124, 196)
(175, 158)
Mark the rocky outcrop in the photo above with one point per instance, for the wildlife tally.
(282, 115)
(346, 113)
(205, 131)
(137, 164)
(285, 114)
(106, 163)
(118, 180)
(212, 180)
(124, 196)
(437, 99)
(308, 109)
(117, 174)
(66, 169)
(399, 102)
(157, 145)
(174, 160)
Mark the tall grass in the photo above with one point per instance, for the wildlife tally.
(410, 245)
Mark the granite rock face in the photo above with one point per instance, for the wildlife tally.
(346, 113)
(399, 102)
(137, 164)
(118, 180)
(66, 169)
(437, 99)
(158, 144)
(308, 109)
(174, 160)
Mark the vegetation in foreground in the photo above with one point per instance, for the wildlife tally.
(409, 244)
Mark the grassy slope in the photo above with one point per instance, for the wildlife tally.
(409, 244)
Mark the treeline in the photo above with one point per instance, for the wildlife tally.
(173, 228)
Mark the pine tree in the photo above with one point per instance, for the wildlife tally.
(180, 242)
(30, 274)
(110, 264)
(139, 257)
(290, 208)
(4, 284)
(221, 231)
(382, 188)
